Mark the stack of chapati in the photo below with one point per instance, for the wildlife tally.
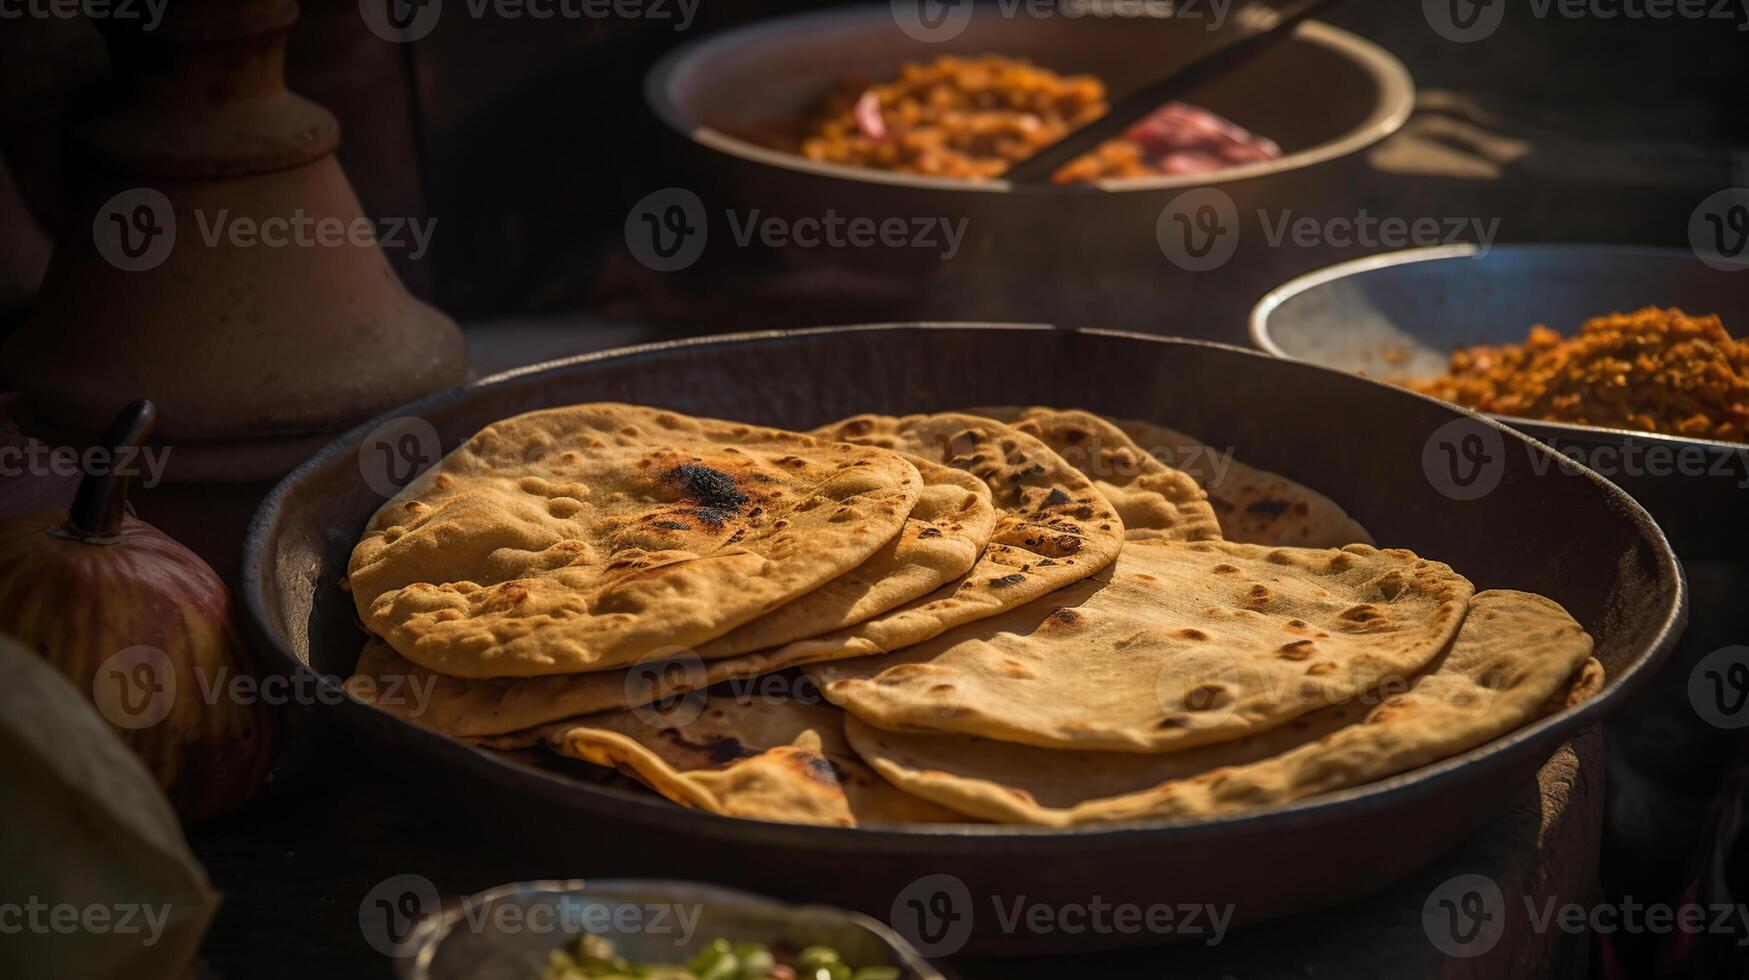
(1018, 615)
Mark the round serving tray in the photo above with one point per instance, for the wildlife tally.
(1563, 532)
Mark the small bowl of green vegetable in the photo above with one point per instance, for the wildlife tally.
(651, 930)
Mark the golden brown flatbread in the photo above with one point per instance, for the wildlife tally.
(1253, 506)
(582, 538)
(1180, 644)
(1053, 528)
(943, 536)
(1509, 662)
(783, 760)
(1153, 499)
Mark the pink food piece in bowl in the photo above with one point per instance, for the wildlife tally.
(1182, 139)
(868, 116)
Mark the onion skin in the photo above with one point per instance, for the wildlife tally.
(78, 602)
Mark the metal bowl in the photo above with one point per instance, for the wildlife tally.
(1064, 254)
(1566, 534)
(1400, 314)
(772, 70)
(508, 931)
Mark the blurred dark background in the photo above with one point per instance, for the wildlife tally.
(527, 139)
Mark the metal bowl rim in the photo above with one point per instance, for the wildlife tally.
(423, 945)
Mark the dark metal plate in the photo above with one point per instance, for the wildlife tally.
(1565, 533)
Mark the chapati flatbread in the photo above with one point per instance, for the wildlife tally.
(1180, 644)
(1253, 506)
(582, 538)
(1510, 660)
(1584, 685)
(942, 538)
(783, 760)
(1153, 499)
(1053, 528)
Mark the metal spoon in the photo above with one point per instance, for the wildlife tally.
(1256, 25)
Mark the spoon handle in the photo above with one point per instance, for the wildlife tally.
(1256, 25)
